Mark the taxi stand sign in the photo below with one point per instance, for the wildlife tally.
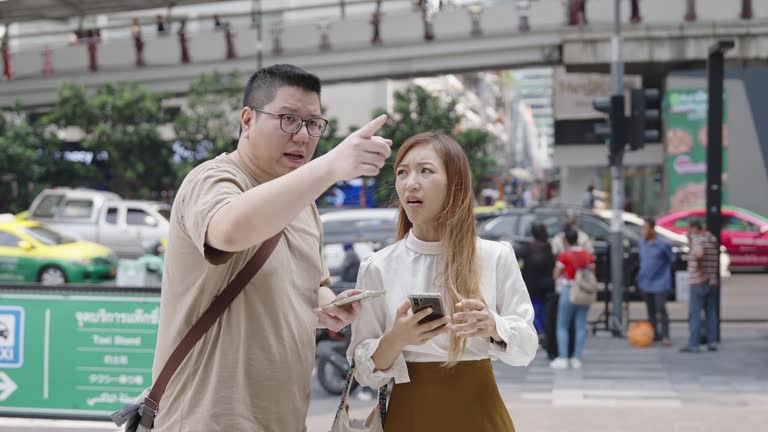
(11, 337)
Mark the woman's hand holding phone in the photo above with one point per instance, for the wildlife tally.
(473, 318)
(408, 331)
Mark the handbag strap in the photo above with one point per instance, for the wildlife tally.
(382, 396)
(207, 319)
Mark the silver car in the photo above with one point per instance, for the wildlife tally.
(128, 227)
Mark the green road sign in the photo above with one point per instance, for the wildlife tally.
(75, 353)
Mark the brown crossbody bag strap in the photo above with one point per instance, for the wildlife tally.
(204, 323)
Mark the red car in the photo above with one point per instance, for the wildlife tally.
(744, 234)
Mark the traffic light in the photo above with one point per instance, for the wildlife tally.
(645, 119)
(614, 130)
(602, 130)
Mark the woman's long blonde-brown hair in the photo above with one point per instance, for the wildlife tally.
(456, 224)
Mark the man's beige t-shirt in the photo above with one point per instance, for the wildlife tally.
(251, 371)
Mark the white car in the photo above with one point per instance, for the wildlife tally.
(366, 230)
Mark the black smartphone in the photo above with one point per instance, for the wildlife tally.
(420, 302)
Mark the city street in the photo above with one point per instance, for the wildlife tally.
(620, 388)
(156, 145)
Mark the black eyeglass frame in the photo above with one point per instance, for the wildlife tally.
(304, 122)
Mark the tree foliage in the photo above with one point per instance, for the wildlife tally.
(120, 125)
(121, 148)
(209, 121)
(416, 110)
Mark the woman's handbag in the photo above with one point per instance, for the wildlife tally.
(584, 287)
(140, 415)
(375, 420)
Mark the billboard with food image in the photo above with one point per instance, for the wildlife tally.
(685, 116)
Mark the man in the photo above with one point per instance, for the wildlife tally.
(251, 371)
(702, 279)
(558, 241)
(654, 277)
(569, 314)
(588, 200)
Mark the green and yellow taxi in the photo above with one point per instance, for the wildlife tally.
(32, 252)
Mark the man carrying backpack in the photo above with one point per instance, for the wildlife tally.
(576, 283)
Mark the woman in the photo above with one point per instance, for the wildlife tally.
(538, 266)
(441, 369)
(572, 259)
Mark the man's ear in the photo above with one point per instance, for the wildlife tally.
(246, 120)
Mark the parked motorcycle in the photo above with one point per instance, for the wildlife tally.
(331, 361)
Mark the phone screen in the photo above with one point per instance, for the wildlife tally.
(421, 302)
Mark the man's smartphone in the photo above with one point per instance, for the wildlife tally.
(357, 297)
(420, 302)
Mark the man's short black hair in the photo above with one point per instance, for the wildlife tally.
(651, 222)
(262, 86)
(539, 232)
(572, 237)
(695, 223)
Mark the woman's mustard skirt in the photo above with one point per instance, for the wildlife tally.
(464, 398)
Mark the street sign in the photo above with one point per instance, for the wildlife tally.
(75, 354)
(7, 386)
(11, 336)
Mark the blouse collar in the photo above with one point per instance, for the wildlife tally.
(422, 247)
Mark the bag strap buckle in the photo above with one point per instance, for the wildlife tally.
(151, 405)
(148, 412)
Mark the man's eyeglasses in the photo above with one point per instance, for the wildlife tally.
(292, 123)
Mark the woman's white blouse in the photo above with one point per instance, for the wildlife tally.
(410, 266)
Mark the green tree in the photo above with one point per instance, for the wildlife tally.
(330, 138)
(415, 111)
(476, 144)
(32, 159)
(209, 121)
(120, 125)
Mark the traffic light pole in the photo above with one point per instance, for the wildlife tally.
(617, 181)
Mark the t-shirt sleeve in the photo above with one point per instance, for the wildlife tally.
(325, 280)
(670, 254)
(208, 191)
(562, 260)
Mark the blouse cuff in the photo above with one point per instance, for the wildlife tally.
(507, 336)
(366, 368)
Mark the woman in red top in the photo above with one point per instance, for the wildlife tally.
(573, 258)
